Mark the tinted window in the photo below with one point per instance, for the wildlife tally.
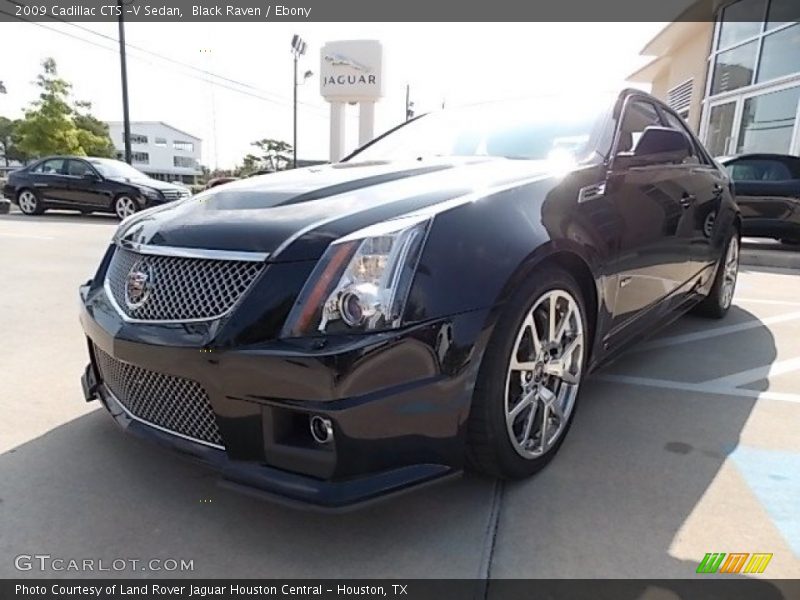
(639, 115)
(759, 169)
(78, 168)
(54, 166)
(675, 122)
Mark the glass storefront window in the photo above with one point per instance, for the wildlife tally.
(734, 68)
(740, 21)
(780, 54)
(768, 121)
(720, 127)
(782, 12)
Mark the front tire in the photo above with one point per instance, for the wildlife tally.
(29, 202)
(720, 298)
(528, 383)
(125, 206)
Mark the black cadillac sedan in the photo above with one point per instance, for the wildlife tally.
(334, 334)
(87, 184)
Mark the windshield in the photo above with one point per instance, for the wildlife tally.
(540, 129)
(116, 168)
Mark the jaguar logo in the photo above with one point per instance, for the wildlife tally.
(138, 285)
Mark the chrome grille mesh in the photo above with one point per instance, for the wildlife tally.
(174, 403)
(181, 288)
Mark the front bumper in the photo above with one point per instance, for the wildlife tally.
(398, 402)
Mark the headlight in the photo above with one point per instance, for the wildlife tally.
(362, 281)
(150, 193)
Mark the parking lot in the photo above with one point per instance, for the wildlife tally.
(687, 445)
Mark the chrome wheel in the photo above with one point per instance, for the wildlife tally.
(544, 373)
(27, 202)
(125, 206)
(730, 272)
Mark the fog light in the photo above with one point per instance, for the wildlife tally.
(321, 429)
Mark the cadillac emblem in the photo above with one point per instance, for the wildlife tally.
(138, 285)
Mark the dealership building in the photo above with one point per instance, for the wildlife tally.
(160, 150)
(735, 80)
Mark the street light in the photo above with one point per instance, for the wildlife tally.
(298, 50)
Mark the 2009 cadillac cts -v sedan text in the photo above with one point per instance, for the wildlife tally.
(334, 334)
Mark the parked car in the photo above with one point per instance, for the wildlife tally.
(87, 184)
(338, 333)
(768, 194)
(219, 181)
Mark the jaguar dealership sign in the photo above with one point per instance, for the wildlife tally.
(351, 71)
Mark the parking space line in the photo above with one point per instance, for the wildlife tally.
(717, 331)
(765, 301)
(701, 388)
(756, 374)
(29, 236)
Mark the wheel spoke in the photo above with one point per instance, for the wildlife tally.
(551, 320)
(526, 400)
(562, 326)
(544, 429)
(526, 433)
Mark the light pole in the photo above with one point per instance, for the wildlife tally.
(126, 119)
(298, 50)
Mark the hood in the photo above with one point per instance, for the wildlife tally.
(147, 182)
(295, 215)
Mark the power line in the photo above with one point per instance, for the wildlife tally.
(260, 96)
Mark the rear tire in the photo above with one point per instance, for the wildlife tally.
(527, 390)
(29, 202)
(719, 299)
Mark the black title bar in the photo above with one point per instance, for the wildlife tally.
(360, 10)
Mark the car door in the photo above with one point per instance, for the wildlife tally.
(84, 185)
(768, 194)
(649, 261)
(702, 187)
(49, 180)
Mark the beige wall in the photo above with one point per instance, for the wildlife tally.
(689, 60)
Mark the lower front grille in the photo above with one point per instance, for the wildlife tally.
(175, 404)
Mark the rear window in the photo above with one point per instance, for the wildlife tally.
(759, 169)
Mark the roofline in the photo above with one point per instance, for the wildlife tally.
(194, 137)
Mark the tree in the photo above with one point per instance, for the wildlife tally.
(276, 154)
(92, 133)
(53, 125)
(8, 141)
(48, 127)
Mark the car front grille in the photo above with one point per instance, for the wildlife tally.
(178, 288)
(171, 403)
(174, 194)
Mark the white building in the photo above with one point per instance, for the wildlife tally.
(160, 150)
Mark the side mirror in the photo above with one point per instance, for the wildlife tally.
(91, 176)
(657, 145)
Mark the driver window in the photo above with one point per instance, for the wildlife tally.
(639, 115)
(677, 123)
(77, 168)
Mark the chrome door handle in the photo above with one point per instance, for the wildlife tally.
(687, 200)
